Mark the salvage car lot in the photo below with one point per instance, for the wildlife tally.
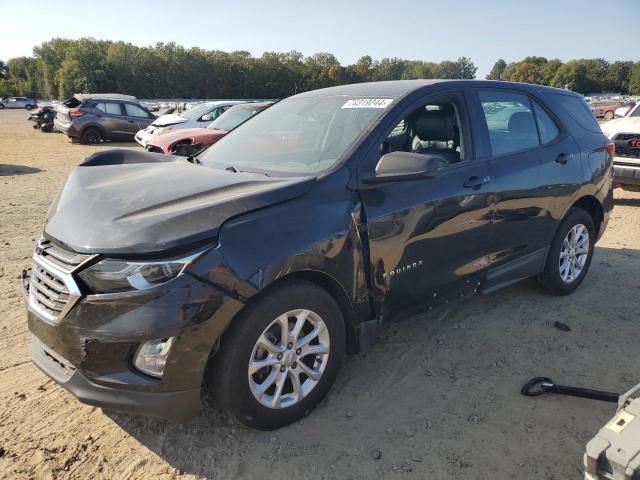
(437, 399)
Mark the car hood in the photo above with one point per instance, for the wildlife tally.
(128, 202)
(626, 124)
(199, 135)
(170, 119)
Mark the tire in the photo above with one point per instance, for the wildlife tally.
(553, 278)
(28, 107)
(1, 106)
(608, 115)
(228, 378)
(90, 136)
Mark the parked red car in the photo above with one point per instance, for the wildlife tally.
(189, 141)
(607, 109)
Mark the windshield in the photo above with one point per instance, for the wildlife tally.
(234, 117)
(197, 111)
(636, 112)
(297, 136)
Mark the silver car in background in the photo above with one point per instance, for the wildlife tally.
(200, 115)
(18, 102)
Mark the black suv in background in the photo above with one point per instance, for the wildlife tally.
(92, 118)
(253, 267)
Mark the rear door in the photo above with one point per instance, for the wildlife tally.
(113, 120)
(137, 118)
(428, 238)
(535, 167)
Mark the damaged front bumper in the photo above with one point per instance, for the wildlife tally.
(90, 350)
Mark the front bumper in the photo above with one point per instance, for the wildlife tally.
(89, 349)
(143, 137)
(179, 406)
(626, 171)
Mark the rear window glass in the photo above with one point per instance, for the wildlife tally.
(510, 121)
(546, 127)
(111, 108)
(578, 109)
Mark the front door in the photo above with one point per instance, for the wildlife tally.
(137, 118)
(429, 238)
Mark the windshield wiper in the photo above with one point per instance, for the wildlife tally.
(193, 159)
(233, 169)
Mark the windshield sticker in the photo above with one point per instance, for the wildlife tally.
(368, 103)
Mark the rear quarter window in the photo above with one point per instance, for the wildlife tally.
(578, 109)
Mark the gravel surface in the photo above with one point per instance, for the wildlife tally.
(438, 398)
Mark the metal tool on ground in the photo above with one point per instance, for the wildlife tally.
(541, 385)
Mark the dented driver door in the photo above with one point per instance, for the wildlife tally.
(430, 239)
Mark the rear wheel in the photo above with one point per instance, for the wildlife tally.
(570, 254)
(91, 136)
(280, 357)
(1, 106)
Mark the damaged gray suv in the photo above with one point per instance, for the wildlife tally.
(253, 268)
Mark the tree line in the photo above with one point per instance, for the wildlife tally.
(593, 75)
(61, 67)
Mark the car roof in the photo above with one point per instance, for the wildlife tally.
(105, 96)
(401, 88)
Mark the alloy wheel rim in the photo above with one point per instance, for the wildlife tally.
(574, 253)
(289, 359)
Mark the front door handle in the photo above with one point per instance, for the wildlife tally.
(476, 182)
(563, 158)
(131, 121)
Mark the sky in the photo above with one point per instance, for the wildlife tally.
(432, 30)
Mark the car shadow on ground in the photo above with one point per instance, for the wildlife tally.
(627, 202)
(8, 170)
(212, 444)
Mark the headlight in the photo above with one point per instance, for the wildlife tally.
(112, 275)
(151, 357)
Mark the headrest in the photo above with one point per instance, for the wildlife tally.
(435, 125)
(521, 123)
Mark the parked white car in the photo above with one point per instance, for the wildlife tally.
(199, 116)
(625, 133)
(18, 102)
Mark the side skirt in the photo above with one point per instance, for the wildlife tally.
(512, 272)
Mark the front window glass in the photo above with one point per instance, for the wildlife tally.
(234, 117)
(135, 111)
(298, 136)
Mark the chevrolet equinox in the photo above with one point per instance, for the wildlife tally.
(254, 267)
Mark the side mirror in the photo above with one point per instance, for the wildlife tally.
(397, 166)
(206, 118)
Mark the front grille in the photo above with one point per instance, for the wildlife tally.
(627, 136)
(48, 291)
(622, 141)
(627, 152)
(52, 288)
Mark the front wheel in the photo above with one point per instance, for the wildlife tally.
(570, 254)
(28, 107)
(280, 357)
(608, 115)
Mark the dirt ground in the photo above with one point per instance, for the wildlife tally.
(438, 399)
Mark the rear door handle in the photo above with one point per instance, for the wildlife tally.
(476, 182)
(563, 158)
